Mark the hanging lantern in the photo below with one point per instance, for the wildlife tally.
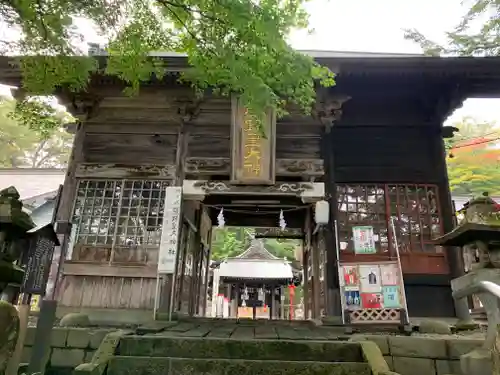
(321, 212)
(282, 222)
(220, 219)
(243, 303)
(261, 294)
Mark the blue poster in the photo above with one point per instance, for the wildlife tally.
(352, 299)
(391, 297)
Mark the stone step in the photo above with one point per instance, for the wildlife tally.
(278, 350)
(189, 366)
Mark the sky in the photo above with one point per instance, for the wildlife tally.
(377, 26)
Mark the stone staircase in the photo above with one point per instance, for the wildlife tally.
(214, 347)
(158, 355)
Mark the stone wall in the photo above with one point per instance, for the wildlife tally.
(406, 355)
(421, 355)
(69, 346)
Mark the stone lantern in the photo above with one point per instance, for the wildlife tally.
(478, 236)
(14, 225)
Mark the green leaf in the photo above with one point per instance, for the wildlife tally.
(234, 46)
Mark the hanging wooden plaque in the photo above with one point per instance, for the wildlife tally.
(253, 153)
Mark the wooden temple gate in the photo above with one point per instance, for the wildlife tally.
(373, 147)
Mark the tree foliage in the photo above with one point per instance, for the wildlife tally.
(234, 46)
(483, 15)
(28, 139)
(474, 159)
(232, 241)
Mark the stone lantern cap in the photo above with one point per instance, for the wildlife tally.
(482, 209)
(468, 233)
(11, 211)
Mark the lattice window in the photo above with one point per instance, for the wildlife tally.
(417, 218)
(118, 220)
(362, 205)
(414, 209)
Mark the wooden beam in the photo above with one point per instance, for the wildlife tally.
(90, 269)
(243, 219)
(217, 166)
(124, 171)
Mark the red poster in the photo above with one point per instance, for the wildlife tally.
(371, 300)
(351, 277)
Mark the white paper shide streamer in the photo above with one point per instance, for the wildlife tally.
(282, 221)
(220, 219)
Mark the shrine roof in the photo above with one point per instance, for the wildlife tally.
(339, 61)
(257, 250)
(256, 269)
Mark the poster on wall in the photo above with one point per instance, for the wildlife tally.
(350, 276)
(370, 287)
(371, 300)
(352, 299)
(364, 241)
(369, 276)
(391, 297)
(389, 274)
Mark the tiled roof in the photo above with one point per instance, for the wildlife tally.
(256, 250)
(31, 182)
(255, 269)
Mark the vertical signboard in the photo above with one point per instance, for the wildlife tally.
(253, 150)
(38, 260)
(170, 230)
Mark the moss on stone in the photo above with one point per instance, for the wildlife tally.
(466, 325)
(75, 320)
(305, 350)
(102, 355)
(182, 366)
(374, 357)
(434, 326)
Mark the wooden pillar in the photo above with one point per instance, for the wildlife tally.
(305, 281)
(207, 273)
(282, 303)
(198, 266)
(332, 290)
(64, 212)
(167, 280)
(453, 255)
(315, 280)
